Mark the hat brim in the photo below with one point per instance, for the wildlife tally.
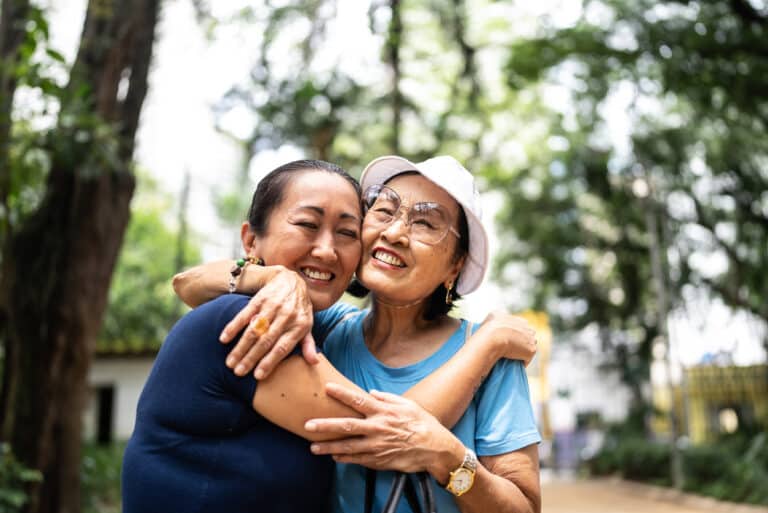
(382, 169)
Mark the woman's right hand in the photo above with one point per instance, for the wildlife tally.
(513, 335)
(285, 305)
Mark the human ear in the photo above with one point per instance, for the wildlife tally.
(249, 239)
(455, 269)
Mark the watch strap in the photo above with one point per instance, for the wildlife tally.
(470, 460)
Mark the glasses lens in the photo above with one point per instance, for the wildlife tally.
(381, 204)
(429, 222)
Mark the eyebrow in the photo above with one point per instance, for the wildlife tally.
(321, 211)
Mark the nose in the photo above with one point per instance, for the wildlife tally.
(324, 248)
(397, 230)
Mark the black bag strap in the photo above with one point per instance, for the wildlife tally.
(370, 489)
(426, 491)
(411, 495)
(402, 484)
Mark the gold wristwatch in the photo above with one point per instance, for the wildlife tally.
(462, 479)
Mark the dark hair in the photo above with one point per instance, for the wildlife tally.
(435, 305)
(269, 193)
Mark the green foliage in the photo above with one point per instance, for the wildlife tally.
(345, 115)
(733, 469)
(35, 70)
(688, 78)
(633, 458)
(100, 478)
(695, 72)
(142, 305)
(14, 476)
(38, 62)
(57, 126)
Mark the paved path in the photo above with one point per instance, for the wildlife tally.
(614, 496)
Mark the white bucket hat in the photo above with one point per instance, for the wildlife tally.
(447, 173)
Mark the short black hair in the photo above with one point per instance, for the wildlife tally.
(271, 189)
(435, 305)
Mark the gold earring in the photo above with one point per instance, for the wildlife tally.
(255, 260)
(448, 298)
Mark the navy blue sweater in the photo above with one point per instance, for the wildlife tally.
(198, 445)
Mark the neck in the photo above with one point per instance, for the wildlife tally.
(390, 323)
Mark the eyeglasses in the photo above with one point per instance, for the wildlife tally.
(428, 222)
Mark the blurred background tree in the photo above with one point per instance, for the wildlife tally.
(690, 79)
(142, 306)
(60, 240)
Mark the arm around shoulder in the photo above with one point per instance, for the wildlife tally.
(295, 393)
(208, 281)
(202, 283)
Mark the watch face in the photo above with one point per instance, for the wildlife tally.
(462, 480)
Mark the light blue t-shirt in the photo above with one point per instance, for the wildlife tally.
(498, 420)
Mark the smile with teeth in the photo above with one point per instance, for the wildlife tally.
(316, 275)
(388, 258)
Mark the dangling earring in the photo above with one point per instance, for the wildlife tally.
(448, 298)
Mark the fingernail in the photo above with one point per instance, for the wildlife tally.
(314, 448)
(223, 336)
(259, 374)
(240, 370)
(310, 426)
(230, 361)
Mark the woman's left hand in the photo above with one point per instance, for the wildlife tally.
(283, 302)
(396, 433)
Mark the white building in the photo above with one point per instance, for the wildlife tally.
(115, 382)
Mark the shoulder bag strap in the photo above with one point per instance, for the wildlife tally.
(426, 492)
(370, 489)
(402, 484)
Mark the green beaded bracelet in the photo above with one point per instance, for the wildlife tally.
(237, 269)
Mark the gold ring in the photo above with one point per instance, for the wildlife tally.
(259, 325)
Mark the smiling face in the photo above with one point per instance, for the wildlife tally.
(397, 268)
(315, 231)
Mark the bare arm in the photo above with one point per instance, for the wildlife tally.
(412, 440)
(295, 393)
(208, 281)
(447, 392)
(282, 300)
(505, 482)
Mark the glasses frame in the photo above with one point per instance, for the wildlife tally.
(407, 219)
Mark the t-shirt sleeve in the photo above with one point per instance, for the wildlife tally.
(505, 420)
(243, 387)
(326, 320)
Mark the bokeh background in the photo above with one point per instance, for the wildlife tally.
(621, 147)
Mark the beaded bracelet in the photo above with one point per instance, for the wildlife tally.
(237, 269)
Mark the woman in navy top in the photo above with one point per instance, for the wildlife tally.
(199, 444)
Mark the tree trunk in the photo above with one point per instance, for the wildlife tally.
(57, 267)
(394, 41)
